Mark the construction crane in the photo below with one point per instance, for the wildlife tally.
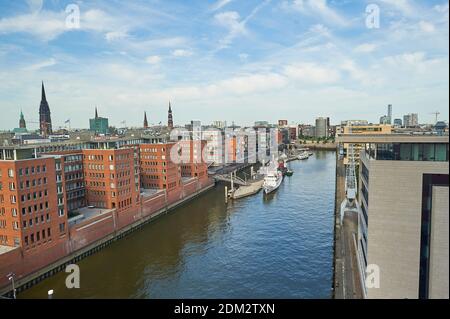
(436, 115)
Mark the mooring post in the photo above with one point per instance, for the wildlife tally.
(226, 194)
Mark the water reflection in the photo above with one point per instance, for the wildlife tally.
(278, 246)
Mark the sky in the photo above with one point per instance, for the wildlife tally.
(233, 60)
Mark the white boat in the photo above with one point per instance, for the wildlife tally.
(273, 179)
(303, 156)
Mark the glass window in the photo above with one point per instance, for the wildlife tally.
(405, 152)
(441, 152)
(417, 152)
(428, 152)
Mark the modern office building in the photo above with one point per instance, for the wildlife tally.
(99, 125)
(322, 125)
(282, 123)
(411, 120)
(403, 222)
(360, 130)
(398, 123)
(389, 114)
(384, 120)
(306, 130)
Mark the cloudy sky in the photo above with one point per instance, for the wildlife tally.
(231, 60)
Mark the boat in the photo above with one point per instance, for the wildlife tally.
(303, 156)
(273, 179)
(289, 173)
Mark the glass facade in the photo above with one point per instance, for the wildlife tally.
(365, 193)
(434, 152)
(365, 172)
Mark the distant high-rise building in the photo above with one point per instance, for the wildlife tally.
(411, 120)
(219, 124)
(145, 120)
(282, 123)
(398, 122)
(389, 115)
(170, 117)
(261, 124)
(99, 125)
(384, 120)
(322, 124)
(45, 121)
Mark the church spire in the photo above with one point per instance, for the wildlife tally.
(22, 123)
(43, 97)
(145, 120)
(45, 121)
(170, 118)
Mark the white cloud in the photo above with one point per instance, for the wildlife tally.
(426, 26)
(182, 53)
(220, 4)
(46, 25)
(243, 56)
(153, 59)
(316, 8)
(41, 65)
(311, 73)
(365, 48)
(404, 6)
(116, 35)
(236, 27)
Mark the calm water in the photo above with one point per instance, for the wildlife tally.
(279, 247)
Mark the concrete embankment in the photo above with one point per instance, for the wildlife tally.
(320, 146)
(346, 282)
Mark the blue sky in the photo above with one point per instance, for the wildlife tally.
(231, 60)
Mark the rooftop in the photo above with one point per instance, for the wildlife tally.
(87, 213)
(391, 138)
(5, 249)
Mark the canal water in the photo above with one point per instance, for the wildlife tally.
(275, 247)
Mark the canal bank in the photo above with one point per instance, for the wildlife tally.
(346, 284)
(275, 247)
(103, 230)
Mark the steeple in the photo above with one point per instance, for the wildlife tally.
(22, 123)
(170, 118)
(145, 120)
(45, 121)
(43, 97)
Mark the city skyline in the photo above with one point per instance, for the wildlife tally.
(226, 62)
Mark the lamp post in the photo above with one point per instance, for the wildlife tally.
(11, 278)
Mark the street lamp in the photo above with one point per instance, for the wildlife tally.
(11, 278)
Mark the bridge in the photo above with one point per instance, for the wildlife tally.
(231, 179)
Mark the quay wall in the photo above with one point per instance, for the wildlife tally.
(89, 236)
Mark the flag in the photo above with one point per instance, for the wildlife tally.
(67, 121)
